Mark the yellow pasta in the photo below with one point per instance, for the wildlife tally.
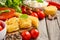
(50, 10)
(25, 23)
(12, 24)
(18, 14)
(34, 20)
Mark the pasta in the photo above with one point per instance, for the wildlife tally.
(17, 14)
(50, 10)
(12, 24)
(34, 20)
(25, 23)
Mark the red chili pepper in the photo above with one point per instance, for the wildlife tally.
(54, 4)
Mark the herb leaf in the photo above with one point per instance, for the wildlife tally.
(40, 1)
(24, 16)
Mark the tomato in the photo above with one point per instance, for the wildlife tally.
(6, 15)
(26, 35)
(41, 15)
(34, 14)
(23, 9)
(34, 33)
(1, 28)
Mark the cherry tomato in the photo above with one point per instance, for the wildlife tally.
(34, 33)
(23, 9)
(41, 15)
(34, 14)
(6, 15)
(1, 28)
(26, 35)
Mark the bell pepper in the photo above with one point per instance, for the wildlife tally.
(54, 4)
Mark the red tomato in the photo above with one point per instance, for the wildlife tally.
(23, 9)
(26, 35)
(34, 14)
(41, 15)
(34, 33)
(7, 15)
(1, 28)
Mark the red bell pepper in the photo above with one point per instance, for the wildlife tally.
(54, 4)
(48, 0)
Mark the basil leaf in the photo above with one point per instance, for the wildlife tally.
(40, 1)
(24, 16)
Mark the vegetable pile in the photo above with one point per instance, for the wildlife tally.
(11, 3)
(25, 14)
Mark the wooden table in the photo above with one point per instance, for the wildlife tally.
(50, 29)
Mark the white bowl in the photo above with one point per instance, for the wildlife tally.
(3, 32)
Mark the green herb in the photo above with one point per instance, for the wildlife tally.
(4, 11)
(12, 3)
(18, 9)
(41, 1)
(24, 16)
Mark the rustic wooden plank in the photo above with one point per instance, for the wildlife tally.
(58, 20)
(53, 29)
(58, 17)
(43, 31)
